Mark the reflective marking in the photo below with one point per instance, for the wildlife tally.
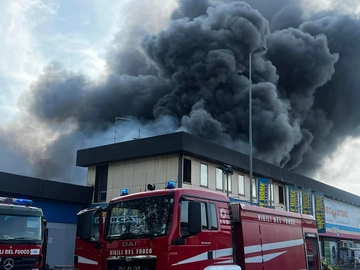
(267, 257)
(86, 261)
(272, 246)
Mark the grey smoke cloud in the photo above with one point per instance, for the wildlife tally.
(59, 95)
(338, 99)
(193, 76)
(190, 9)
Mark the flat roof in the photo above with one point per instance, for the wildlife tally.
(182, 142)
(44, 189)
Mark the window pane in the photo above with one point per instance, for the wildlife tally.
(219, 179)
(184, 217)
(271, 192)
(204, 176)
(102, 196)
(184, 212)
(241, 185)
(204, 216)
(101, 179)
(140, 217)
(230, 184)
(187, 170)
(254, 191)
(281, 194)
(214, 219)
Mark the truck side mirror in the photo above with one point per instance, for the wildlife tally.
(194, 217)
(98, 211)
(84, 223)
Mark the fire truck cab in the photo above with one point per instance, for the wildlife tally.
(87, 249)
(183, 228)
(23, 235)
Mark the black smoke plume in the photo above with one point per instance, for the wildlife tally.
(194, 76)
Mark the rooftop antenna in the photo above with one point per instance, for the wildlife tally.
(118, 119)
(138, 136)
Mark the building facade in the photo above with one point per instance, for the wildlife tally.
(194, 162)
(60, 203)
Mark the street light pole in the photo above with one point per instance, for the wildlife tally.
(258, 50)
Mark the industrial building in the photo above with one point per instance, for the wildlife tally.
(191, 161)
(60, 203)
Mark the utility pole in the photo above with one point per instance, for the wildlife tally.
(258, 50)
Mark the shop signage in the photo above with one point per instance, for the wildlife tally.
(338, 213)
(320, 212)
(293, 199)
(263, 192)
(307, 202)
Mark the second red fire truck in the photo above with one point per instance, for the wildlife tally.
(87, 251)
(182, 228)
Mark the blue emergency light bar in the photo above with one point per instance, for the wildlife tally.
(170, 185)
(15, 201)
(124, 191)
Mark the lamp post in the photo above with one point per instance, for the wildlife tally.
(258, 50)
(227, 170)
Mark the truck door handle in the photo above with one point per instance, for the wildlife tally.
(210, 255)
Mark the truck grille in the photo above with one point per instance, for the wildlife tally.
(132, 263)
(18, 263)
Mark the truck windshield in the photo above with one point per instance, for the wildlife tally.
(19, 227)
(140, 218)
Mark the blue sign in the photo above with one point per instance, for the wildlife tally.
(293, 199)
(320, 212)
(263, 192)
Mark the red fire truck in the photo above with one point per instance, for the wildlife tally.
(23, 235)
(182, 228)
(87, 251)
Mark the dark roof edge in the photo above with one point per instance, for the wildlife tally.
(45, 189)
(150, 146)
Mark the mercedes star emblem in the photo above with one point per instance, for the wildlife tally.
(8, 263)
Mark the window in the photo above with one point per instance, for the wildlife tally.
(254, 188)
(241, 181)
(101, 179)
(137, 218)
(204, 222)
(226, 182)
(204, 175)
(271, 192)
(17, 226)
(214, 219)
(281, 194)
(219, 179)
(184, 221)
(187, 170)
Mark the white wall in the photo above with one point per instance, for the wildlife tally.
(136, 174)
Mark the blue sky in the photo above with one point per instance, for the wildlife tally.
(78, 34)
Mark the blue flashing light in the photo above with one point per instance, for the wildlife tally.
(23, 201)
(16, 201)
(124, 191)
(170, 185)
